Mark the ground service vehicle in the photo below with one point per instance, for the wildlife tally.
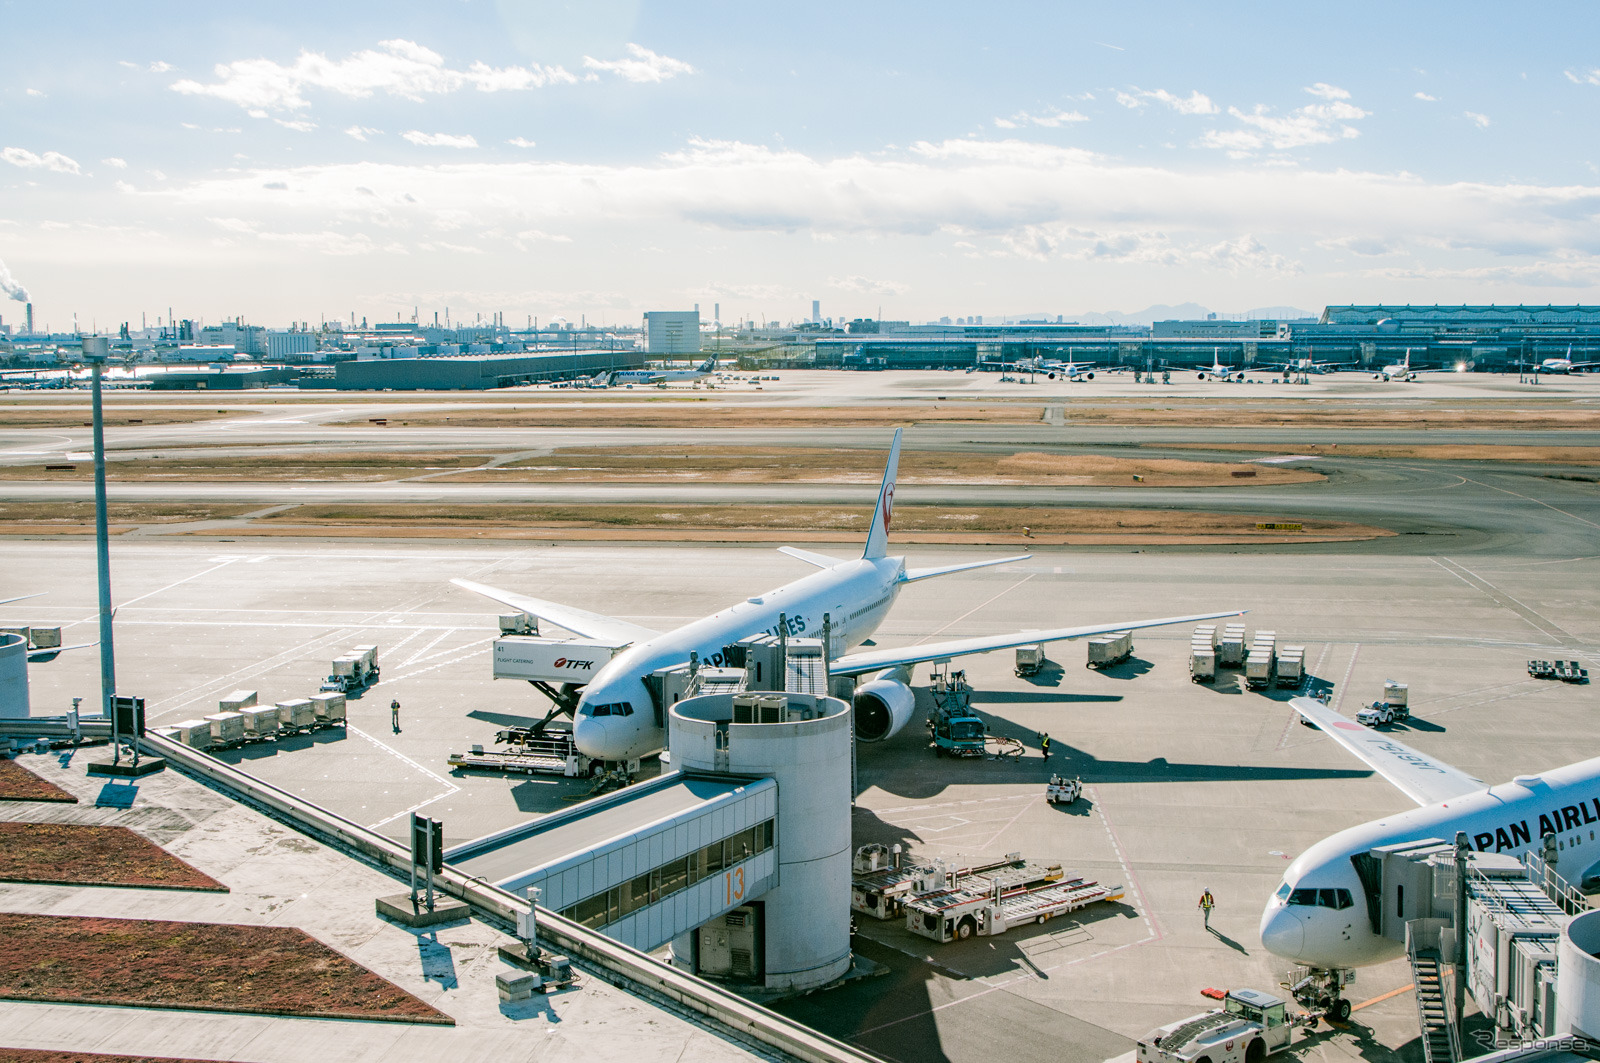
(1030, 659)
(1249, 1027)
(956, 730)
(1063, 791)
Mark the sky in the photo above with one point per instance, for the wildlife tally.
(593, 160)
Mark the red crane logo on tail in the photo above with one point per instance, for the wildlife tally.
(888, 505)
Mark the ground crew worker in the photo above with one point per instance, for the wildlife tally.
(394, 714)
(1207, 902)
(1044, 746)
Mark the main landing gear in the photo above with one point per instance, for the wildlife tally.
(1319, 990)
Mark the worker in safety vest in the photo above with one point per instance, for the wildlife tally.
(394, 715)
(1207, 902)
(1044, 745)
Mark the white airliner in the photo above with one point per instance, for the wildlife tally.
(1311, 365)
(1404, 370)
(663, 376)
(615, 717)
(1322, 914)
(1216, 370)
(1563, 365)
(1054, 367)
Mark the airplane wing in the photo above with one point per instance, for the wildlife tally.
(579, 621)
(819, 560)
(1417, 775)
(48, 653)
(914, 574)
(20, 598)
(876, 660)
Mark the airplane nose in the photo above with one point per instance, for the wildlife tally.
(596, 739)
(1282, 933)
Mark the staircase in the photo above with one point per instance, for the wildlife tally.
(1439, 1043)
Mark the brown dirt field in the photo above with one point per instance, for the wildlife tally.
(19, 784)
(1420, 452)
(687, 414)
(84, 854)
(349, 466)
(40, 1055)
(808, 523)
(827, 465)
(1335, 413)
(115, 415)
(73, 517)
(268, 970)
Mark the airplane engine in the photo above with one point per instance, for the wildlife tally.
(1202, 376)
(884, 704)
(1088, 376)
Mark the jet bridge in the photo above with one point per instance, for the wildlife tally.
(644, 864)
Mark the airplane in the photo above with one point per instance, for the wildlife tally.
(1310, 365)
(1404, 370)
(1563, 365)
(615, 717)
(1323, 913)
(1216, 370)
(663, 376)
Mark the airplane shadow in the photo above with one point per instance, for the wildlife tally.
(504, 719)
(1414, 724)
(1035, 697)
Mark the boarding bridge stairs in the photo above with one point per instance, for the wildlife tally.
(1439, 1039)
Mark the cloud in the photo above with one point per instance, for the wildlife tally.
(1053, 118)
(10, 287)
(440, 140)
(1425, 96)
(50, 160)
(1194, 103)
(361, 132)
(1479, 120)
(159, 67)
(115, 163)
(642, 66)
(398, 67)
(33, 92)
(1315, 123)
(1327, 91)
(867, 286)
(298, 125)
(1007, 199)
(1589, 77)
(521, 142)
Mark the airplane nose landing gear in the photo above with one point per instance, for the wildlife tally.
(1319, 990)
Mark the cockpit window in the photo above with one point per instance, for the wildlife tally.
(1283, 892)
(1319, 898)
(617, 708)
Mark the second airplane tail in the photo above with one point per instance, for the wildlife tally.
(878, 534)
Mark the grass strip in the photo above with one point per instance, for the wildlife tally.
(19, 784)
(89, 854)
(158, 963)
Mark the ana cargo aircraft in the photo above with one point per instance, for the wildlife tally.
(615, 716)
(1325, 914)
(663, 376)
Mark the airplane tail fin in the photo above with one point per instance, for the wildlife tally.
(709, 364)
(878, 535)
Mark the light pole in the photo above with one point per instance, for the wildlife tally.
(95, 350)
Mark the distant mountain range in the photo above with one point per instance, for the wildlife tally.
(1165, 312)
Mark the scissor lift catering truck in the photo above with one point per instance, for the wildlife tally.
(960, 911)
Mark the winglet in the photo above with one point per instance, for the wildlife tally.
(878, 535)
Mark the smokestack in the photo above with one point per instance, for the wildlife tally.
(30, 319)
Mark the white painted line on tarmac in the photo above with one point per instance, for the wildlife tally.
(450, 787)
(412, 659)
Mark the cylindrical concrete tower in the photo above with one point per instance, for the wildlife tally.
(1578, 979)
(805, 748)
(13, 677)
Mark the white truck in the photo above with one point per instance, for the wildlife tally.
(1061, 790)
(1393, 708)
(1030, 659)
(1291, 667)
(352, 671)
(1261, 665)
(1249, 1027)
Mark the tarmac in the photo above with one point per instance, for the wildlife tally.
(1187, 786)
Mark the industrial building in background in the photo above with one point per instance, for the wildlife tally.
(672, 332)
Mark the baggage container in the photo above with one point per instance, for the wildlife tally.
(1206, 633)
(1202, 666)
(329, 707)
(350, 666)
(1258, 668)
(1030, 659)
(518, 624)
(196, 734)
(1291, 666)
(368, 654)
(44, 638)
(1231, 647)
(1396, 694)
(238, 701)
(260, 720)
(1107, 650)
(296, 715)
(227, 728)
